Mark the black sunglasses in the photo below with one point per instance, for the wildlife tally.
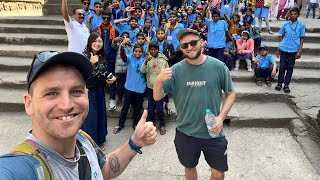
(39, 58)
(106, 18)
(80, 14)
(192, 43)
(86, 3)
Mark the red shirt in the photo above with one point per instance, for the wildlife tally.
(259, 3)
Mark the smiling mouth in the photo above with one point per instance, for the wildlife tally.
(66, 117)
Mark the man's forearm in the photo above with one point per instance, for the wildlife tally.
(227, 104)
(158, 92)
(64, 10)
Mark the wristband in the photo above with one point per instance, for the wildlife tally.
(134, 147)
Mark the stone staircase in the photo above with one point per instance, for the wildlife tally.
(256, 107)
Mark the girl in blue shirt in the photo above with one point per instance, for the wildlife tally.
(134, 87)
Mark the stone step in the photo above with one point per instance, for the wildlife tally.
(309, 38)
(308, 48)
(27, 50)
(33, 39)
(32, 29)
(55, 9)
(34, 20)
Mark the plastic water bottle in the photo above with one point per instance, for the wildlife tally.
(210, 119)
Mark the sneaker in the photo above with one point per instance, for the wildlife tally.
(268, 82)
(163, 130)
(112, 104)
(259, 83)
(117, 129)
(270, 32)
(286, 89)
(278, 87)
(236, 68)
(249, 69)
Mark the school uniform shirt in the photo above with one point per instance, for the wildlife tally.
(86, 14)
(95, 21)
(155, 21)
(192, 18)
(135, 79)
(291, 32)
(172, 35)
(217, 33)
(77, 36)
(125, 27)
(249, 19)
(265, 61)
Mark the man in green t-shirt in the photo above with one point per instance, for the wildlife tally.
(196, 84)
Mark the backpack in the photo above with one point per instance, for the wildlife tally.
(29, 148)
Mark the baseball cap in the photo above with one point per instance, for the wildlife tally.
(45, 59)
(263, 46)
(187, 31)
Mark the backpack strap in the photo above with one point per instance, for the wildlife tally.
(87, 136)
(28, 147)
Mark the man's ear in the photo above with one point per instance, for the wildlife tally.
(27, 104)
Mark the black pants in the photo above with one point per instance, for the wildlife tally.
(112, 88)
(121, 80)
(136, 99)
(217, 53)
(155, 105)
(287, 61)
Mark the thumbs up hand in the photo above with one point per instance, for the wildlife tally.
(145, 133)
(93, 58)
(165, 74)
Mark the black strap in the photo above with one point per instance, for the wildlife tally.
(83, 164)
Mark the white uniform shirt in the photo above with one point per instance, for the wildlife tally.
(77, 36)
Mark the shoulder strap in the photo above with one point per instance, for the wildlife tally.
(28, 147)
(87, 136)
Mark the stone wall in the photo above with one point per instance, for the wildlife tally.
(21, 7)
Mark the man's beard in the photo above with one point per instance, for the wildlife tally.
(196, 56)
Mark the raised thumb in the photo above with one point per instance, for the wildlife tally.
(163, 65)
(144, 117)
(91, 54)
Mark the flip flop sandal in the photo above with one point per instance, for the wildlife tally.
(163, 130)
(117, 129)
(259, 83)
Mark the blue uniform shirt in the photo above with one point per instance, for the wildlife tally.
(265, 61)
(135, 79)
(86, 14)
(160, 46)
(125, 27)
(291, 33)
(217, 33)
(172, 35)
(155, 21)
(95, 21)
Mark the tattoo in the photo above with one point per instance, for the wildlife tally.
(114, 163)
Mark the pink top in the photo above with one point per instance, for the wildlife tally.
(246, 47)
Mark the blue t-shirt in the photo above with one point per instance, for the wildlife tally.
(125, 27)
(95, 21)
(265, 61)
(172, 35)
(291, 32)
(217, 33)
(155, 21)
(86, 14)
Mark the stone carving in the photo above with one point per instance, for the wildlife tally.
(21, 8)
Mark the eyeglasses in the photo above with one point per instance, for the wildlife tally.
(80, 14)
(86, 3)
(192, 44)
(106, 18)
(39, 59)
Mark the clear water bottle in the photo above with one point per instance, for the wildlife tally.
(210, 119)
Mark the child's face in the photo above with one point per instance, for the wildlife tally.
(133, 23)
(154, 52)
(137, 52)
(85, 5)
(163, 21)
(199, 20)
(168, 7)
(173, 19)
(141, 40)
(244, 36)
(294, 16)
(185, 20)
(263, 52)
(160, 35)
(215, 17)
(247, 26)
(98, 9)
(151, 11)
(236, 19)
(226, 52)
(182, 8)
(115, 4)
(137, 13)
(248, 13)
(137, 3)
(162, 9)
(147, 24)
(189, 11)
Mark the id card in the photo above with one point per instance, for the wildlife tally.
(169, 38)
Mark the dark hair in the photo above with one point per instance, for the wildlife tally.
(149, 7)
(75, 9)
(137, 8)
(84, 0)
(92, 37)
(125, 33)
(153, 45)
(136, 46)
(249, 9)
(237, 15)
(215, 11)
(133, 18)
(147, 19)
(246, 22)
(295, 9)
(107, 12)
(141, 34)
(98, 3)
(161, 29)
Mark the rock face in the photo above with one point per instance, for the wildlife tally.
(21, 7)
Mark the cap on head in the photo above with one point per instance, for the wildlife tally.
(245, 32)
(46, 59)
(186, 31)
(263, 46)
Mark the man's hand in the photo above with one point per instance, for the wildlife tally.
(125, 41)
(90, 17)
(217, 126)
(111, 81)
(118, 39)
(298, 55)
(165, 74)
(94, 58)
(273, 73)
(145, 133)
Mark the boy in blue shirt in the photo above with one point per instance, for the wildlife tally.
(290, 48)
(86, 11)
(172, 29)
(117, 12)
(266, 66)
(217, 32)
(132, 27)
(95, 19)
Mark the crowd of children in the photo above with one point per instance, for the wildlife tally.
(142, 35)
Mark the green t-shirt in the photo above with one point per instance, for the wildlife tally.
(196, 88)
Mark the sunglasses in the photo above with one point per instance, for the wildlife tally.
(192, 44)
(86, 3)
(80, 14)
(39, 59)
(106, 18)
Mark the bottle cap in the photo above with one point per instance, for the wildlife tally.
(208, 111)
